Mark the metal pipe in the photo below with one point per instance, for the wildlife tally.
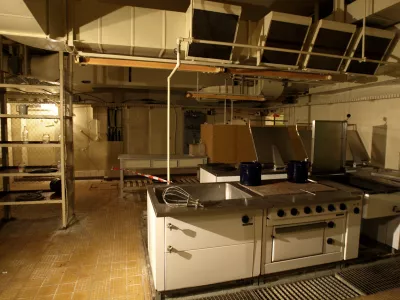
(226, 92)
(231, 112)
(363, 32)
(1, 60)
(178, 62)
(208, 42)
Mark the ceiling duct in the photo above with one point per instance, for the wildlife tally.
(280, 30)
(211, 21)
(250, 90)
(328, 37)
(377, 44)
(382, 13)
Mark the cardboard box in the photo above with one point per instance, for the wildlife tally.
(228, 143)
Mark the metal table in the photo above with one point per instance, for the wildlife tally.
(156, 161)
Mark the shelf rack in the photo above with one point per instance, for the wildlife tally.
(64, 146)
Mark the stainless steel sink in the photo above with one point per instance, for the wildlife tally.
(208, 192)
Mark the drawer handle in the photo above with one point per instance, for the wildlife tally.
(396, 209)
(298, 228)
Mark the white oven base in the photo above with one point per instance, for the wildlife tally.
(302, 262)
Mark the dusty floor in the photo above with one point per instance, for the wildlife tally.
(100, 257)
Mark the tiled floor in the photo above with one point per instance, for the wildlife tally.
(101, 256)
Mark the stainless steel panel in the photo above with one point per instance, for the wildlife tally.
(306, 138)
(284, 139)
(208, 192)
(357, 148)
(378, 150)
(328, 151)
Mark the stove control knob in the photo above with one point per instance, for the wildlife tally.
(342, 206)
(245, 219)
(281, 213)
(319, 209)
(356, 210)
(294, 212)
(331, 207)
(329, 241)
(307, 210)
(331, 224)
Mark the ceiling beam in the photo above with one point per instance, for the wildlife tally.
(202, 68)
(197, 95)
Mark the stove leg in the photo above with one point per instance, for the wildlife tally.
(256, 281)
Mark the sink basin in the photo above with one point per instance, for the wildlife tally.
(208, 192)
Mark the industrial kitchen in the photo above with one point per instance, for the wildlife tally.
(200, 150)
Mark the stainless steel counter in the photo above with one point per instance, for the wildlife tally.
(245, 203)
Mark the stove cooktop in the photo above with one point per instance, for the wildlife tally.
(368, 185)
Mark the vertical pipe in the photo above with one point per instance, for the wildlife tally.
(62, 131)
(226, 93)
(231, 112)
(178, 62)
(1, 59)
(26, 69)
(316, 11)
(363, 37)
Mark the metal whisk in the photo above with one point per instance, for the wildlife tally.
(175, 196)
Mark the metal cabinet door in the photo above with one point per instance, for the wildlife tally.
(299, 240)
(185, 269)
(190, 233)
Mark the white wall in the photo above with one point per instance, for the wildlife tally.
(365, 114)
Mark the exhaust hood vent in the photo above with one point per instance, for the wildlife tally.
(377, 43)
(331, 38)
(282, 30)
(215, 22)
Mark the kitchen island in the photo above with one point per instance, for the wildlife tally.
(243, 233)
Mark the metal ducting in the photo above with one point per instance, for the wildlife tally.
(281, 30)
(382, 13)
(377, 45)
(212, 21)
(328, 37)
(258, 90)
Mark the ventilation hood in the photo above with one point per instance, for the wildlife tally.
(281, 30)
(206, 20)
(377, 44)
(328, 37)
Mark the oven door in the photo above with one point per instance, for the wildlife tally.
(297, 240)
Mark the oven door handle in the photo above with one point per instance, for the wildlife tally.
(298, 228)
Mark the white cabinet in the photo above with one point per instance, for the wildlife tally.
(189, 233)
(208, 266)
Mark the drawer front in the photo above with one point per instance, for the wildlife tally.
(136, 164)
(163, 163)
(297, 241)
(207, 266)
(190, 162)
(189, 233)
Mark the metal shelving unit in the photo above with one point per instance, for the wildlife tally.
(36, 95)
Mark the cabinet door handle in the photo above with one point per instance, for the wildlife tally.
(170, 249)
(170, 226)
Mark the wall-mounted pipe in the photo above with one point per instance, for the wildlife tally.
(178, 62)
